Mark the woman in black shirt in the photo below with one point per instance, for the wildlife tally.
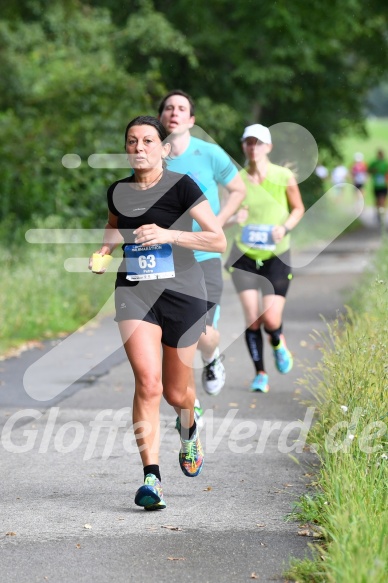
(160, 294)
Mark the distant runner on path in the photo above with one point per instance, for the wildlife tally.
(359, 171)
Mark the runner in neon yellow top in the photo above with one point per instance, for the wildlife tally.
(260, 257)
(268, 205)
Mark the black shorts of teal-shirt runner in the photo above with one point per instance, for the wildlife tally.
(214, 283)
(177, 304)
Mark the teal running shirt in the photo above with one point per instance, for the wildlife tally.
(209, 166)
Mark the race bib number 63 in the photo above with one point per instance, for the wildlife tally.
(153, 262)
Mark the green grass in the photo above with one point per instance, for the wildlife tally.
(350, 389)
(377, 138)
(41, 299)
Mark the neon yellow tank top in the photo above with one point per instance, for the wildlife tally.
(267, 205)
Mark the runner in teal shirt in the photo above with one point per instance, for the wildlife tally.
(210, 167)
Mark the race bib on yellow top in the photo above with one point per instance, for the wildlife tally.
(258, 237)
(151, 262)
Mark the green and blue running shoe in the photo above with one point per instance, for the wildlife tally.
(260, 383)
(191, 456)
(283, 357)
(150, 494)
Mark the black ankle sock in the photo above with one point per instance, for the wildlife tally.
(254, 340)
(152, 469)
(192, 429)
(275, 335)
(188, 433)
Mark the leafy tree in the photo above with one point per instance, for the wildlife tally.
(67, 89)
(308, 63)
(74, 73)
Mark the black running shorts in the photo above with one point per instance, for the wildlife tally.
(272, 277)
(381, 191)
(178, 305)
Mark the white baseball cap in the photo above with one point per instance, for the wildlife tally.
(358, 156)
(257, 131)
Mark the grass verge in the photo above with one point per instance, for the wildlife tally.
(349, 506)
(42, 298)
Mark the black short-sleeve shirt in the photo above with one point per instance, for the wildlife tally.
(167, 204)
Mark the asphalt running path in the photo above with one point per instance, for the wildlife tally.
(66, 504)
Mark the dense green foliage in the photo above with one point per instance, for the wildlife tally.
(74, 73)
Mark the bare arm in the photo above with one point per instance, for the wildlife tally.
(238, 218)
(236, 193)
(211, 238)
(112, 236)
(296, 206)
